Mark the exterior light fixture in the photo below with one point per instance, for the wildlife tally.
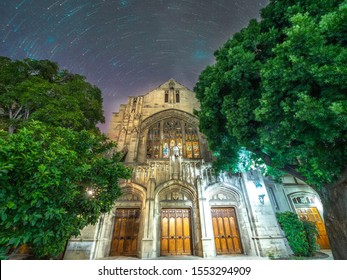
(261, 198)
(261, 194)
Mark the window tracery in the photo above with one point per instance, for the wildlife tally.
(164, 135)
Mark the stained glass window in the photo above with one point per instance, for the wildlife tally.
(164, 135)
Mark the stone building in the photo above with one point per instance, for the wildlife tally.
(174, 204)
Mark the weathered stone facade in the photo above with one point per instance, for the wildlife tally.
(174, 204)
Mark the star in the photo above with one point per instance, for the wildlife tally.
(124, 47)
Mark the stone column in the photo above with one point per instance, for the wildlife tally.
(148, 249)
(207, 238)
(267, 234)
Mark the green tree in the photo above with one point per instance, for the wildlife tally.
(54, 181)
(38, 90)
(278, 89)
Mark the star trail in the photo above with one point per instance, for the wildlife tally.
(124, 47)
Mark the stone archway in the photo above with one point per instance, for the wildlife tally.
(162, 131)
(308, 207)
(178, 226)
(224, 207)
(127, 222)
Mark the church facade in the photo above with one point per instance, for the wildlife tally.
(175, 204)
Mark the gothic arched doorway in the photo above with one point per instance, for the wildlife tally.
(224, 202)
(126, 230)
(175, 232)
(226, 233)
(178, 225)
(306, 206)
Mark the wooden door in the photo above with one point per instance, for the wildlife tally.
(226, 233)
(312, 214)
(125, 233)
(175, 232)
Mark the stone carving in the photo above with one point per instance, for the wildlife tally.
(129, 197)
(223, 196)
(173, 196)
(169, 114)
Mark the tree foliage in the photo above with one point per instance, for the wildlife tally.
(38, 90)
(278, 89)
(54, 181)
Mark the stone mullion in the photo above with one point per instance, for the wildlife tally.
(161, 146)
(184, 152)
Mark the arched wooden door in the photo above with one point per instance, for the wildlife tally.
(175, 232)
(312, 214)
(125, 233)
(226, 233)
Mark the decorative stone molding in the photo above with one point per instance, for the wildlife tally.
(170, 113)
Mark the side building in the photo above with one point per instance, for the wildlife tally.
(174, 204)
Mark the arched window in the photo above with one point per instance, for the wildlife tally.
(177, 96)
(153, 142)
(166, 96)
(172, 132)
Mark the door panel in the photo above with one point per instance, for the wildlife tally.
(175, 232)
(125, 233)
(226, 234)
(312, 214)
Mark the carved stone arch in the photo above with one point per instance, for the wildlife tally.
(130, 194)
(135, 188)
(176, 186)
(175, 193)
(222, 193)
(133, 195)
(171, 113)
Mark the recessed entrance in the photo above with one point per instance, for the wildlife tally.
(312, 214)
(175, 232)
(125, 233)
(226, 234)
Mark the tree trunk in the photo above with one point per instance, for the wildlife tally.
(334, 199)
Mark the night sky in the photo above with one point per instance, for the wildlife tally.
(124, 47)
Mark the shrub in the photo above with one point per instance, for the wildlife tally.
(295, 232)
(311, 235)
